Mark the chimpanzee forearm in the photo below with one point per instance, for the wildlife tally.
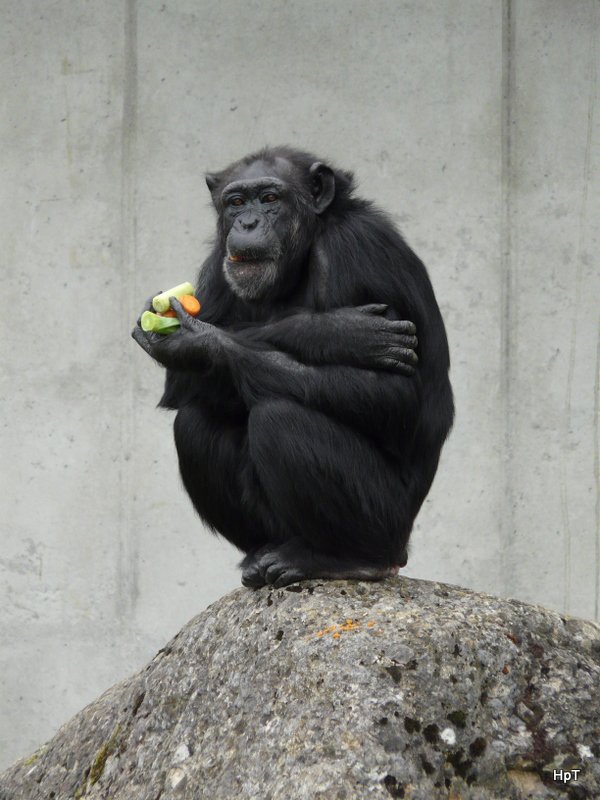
(352, 395)
(312, 337)
(229, 374)
(350, 336)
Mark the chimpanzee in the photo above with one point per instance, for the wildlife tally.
(309, 418)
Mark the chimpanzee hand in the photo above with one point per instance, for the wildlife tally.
(375, 342)
(194, 344)
(143, 338)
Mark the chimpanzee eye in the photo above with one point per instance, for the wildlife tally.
(269, 198)
(236, 201)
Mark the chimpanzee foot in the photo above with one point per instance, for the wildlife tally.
(252, 574)
(292, 561)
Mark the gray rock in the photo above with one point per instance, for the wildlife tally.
(342, 691)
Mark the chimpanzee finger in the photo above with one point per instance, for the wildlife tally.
(401, 354)
(408, 356)
(396, 365)
(184, 318)
(177, 306)
(373, 308)
(400, 351)
(403, 326)
(411, 342)
(405, 369)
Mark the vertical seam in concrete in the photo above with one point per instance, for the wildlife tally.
(579, 257)
(127, 569)
(597, 475)
(596, 412)
(508, 314)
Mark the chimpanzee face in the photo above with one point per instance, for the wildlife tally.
(267, 217)
(257, 216)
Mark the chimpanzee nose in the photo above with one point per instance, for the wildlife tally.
(249, 223)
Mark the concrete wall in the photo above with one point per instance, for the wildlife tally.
(475, 122)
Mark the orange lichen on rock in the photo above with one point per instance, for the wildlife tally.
(337, 630)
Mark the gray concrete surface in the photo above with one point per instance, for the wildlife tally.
(474, 122)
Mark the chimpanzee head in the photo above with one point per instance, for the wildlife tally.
(269, 205)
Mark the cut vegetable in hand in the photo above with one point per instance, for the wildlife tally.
(161, 302)
(165, 320)
(190, 304)
(157, 324)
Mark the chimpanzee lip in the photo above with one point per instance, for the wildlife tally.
(249, 258)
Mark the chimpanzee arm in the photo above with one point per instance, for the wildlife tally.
(361, 398)
(351, 336)
(358, 336)
(355, 396)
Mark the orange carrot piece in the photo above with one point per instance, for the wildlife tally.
(190, 304)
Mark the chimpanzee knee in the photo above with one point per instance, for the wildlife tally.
(327, 484)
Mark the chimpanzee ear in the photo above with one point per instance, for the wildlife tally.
(212, 181)
(322, 186)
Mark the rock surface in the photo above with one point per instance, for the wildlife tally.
(342, 690)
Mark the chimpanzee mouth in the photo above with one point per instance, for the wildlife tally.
(251, 266)
(247, 258)
(250, 275)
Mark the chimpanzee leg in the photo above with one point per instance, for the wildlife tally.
(219, 477)
(342, 506)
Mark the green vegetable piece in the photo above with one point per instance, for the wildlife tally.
(152, 322)
(161, 302)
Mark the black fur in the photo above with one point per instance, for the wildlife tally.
(307, 434)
